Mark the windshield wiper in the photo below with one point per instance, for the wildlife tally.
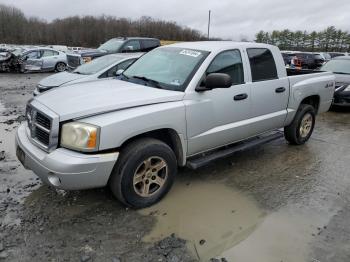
(153, 82)
(341, 73)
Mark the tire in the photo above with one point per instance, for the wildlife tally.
(300, 130)
(60, 67)
(138, 179)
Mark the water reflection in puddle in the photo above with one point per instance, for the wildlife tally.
(212, 217)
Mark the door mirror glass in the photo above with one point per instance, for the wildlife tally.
(129, 48)
(216, 80)
(119, 72)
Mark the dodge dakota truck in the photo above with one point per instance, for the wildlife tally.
(184, 104)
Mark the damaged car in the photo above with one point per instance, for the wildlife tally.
(42, 59)
(33, 60)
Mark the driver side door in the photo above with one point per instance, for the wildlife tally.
(33, 61)
(218, 117)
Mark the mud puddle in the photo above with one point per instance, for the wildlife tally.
(211, 217)
(282, 236)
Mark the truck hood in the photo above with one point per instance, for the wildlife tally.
(59, 79)
(100, 96)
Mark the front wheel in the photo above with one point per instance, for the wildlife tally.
(144, 173)
(300, 130)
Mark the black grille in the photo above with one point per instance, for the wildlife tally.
(39, 126)
(42, 136)
(73, 61)
(43, 121)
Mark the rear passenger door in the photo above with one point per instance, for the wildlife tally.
(269, 93)
(49, 58)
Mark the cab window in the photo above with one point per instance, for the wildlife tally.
(262, 64)
(228, 62)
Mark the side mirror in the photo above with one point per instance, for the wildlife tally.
(119, 72)
(215, 80)
(128, 48)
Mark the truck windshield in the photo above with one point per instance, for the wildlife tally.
(111, 46)
(97, 65)
(166, 67)
(337, 66)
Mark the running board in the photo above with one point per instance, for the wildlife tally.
(204, 160)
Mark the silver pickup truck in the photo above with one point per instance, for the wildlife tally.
(179, 105)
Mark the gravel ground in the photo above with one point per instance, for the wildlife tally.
(272, 203)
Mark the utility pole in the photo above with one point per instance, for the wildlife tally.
(209, 25)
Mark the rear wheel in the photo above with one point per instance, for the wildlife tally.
(144, 173)
(60, 67)
(300, 130)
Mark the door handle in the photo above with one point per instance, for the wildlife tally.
(240, 97)
(280, 90)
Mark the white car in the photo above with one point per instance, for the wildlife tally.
(100, 68)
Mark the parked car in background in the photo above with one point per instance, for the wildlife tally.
(179, 105)
(287, 57)
(306, 60)
(340, 66)
(62, 48)
(325, 56)
(42, 59)
(336, 54)
(112, 46)
(100, 68)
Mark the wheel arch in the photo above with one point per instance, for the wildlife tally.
(167, 135)
(313, 100)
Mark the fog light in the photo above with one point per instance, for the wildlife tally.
(54, 180)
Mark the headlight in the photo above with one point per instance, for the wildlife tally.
(86, 59)
(347, 88)
(80, 136)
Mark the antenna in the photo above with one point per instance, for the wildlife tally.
(209, 25)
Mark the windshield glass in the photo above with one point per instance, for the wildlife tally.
(97, 65)
(337, 66)
(112, 45)
(169, 67)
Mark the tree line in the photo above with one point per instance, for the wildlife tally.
(87, 31)
(328, 40)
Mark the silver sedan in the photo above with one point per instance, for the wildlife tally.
(43, 59)
(99, 68)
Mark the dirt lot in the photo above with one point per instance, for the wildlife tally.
(270, 204)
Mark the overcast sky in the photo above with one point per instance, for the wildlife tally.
(231, 19)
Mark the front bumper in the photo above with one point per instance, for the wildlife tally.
(63, 168)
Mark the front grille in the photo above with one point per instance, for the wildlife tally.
(73, 61)
(43, 121)
(39, 126)
(42, 136)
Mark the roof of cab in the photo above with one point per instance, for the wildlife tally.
(212, 46)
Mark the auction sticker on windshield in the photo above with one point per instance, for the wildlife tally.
(190, 53)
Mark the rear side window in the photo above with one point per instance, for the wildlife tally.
(228, 62)
(46, 53)
(148, 45)
(262, 64)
